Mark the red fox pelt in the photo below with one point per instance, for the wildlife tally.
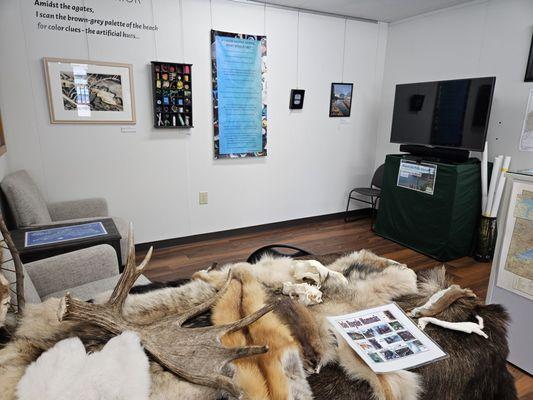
(277, 374)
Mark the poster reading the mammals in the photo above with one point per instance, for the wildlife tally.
(386, 339)
(239, 94)
(417, 176)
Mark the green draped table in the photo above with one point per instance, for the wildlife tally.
(442, 225)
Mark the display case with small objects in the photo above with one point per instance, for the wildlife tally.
(172, 89)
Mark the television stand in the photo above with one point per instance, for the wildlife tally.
(439, 154)
(441, 225)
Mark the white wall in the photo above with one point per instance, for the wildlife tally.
(489, 38)
(153, 177)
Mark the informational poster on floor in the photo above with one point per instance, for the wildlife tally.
(239, 94)
(417, 176)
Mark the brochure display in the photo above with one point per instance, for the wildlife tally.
(239, 94)
(172, 89)
(441, 224)
(386, 339)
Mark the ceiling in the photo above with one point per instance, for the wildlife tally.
(380, 10)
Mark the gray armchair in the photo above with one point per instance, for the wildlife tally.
(29, 209)
(83, 273)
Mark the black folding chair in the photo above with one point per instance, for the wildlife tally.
(271, 250)
(373, 192)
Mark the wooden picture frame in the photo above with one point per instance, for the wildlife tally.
(338, 107)
(3, 147)
(529, 68)
(89, 92)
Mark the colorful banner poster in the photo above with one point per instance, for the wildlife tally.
(239, 94)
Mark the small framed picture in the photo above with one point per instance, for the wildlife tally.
(89, 92)
(297, 99)
(340, 103)
(529, 68)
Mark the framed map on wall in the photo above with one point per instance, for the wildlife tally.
(90, 92)
(514, 250)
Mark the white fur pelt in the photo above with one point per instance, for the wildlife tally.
(118, 372)
(352, 283)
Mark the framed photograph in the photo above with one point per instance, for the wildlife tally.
(297, 99)
(89, 92)
(529, 68)
(340, 103)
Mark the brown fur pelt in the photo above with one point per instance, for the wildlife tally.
(278, 374)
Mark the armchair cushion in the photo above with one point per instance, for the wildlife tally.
(86, 208)
(70, 270)
(25, 200)
(30, 292)
(89, 290)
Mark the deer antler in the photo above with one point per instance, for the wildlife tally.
(194, 354)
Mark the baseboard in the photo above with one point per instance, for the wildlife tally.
(159, 244)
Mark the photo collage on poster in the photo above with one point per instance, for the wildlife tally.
(381, 336)
(172, 88)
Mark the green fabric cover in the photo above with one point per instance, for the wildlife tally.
(441, 225)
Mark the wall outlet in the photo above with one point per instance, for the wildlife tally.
(202, 197)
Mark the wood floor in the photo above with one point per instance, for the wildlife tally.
(322, 237)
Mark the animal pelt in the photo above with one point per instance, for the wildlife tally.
(367, 281)
(441, 300)
(66, 371)
(39, 330)
(475, 369)
(277, 374)
(274, 272)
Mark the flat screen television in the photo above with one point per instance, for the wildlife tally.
(452, 114)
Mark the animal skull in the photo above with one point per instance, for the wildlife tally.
(303, 293)
(315, 273)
